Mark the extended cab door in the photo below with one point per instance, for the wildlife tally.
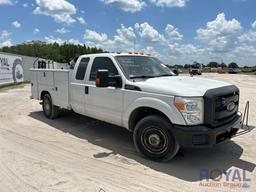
(104, 103)
(78, 87)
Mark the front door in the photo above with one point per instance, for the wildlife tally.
(104, 103)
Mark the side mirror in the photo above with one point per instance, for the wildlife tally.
(176, 72)
(104, 80)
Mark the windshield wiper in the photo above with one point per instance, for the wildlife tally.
(165, 75)
(149, 76)
(142, 77)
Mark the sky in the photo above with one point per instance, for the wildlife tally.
(176, 31)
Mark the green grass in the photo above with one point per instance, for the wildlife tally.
(4, 88)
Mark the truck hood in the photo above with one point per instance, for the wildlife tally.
(179, 85)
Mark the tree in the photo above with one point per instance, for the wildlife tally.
(223, 65)
(60, 53)
(213, 64)
(186, 66)
(233, 65)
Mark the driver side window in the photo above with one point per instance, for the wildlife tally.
(102, 63)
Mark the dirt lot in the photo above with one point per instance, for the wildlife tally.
(76, 153)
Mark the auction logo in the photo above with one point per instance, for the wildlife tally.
(4, 64)
(232, 178)
(17, 71)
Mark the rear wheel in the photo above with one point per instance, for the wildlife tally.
(50, 111)
(153, 138)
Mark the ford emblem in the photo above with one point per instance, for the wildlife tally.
(231, 106)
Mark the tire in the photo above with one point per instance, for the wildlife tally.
(154, 139)
(50, 111)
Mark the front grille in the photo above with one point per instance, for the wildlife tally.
(221, 105)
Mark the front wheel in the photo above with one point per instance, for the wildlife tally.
(50, 111)
(153, 138)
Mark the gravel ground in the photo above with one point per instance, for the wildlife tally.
(76, 153)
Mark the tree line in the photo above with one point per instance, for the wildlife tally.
(214, 64)
(62, 53)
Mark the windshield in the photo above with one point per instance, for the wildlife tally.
(143, 67)
(196, 66)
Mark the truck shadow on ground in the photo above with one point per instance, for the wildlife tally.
(186, 165)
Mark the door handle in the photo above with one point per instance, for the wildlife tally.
(86, 90)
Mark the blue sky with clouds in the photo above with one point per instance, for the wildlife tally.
(177, 31)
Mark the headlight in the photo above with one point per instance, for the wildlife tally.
(191, 109)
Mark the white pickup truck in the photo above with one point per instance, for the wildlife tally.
(138, 92)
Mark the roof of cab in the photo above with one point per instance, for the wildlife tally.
(114, 54)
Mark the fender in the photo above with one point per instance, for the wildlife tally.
(168, 109)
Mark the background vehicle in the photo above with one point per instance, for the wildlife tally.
(234, 70)
(164, 112)
(195, 69)
(220, 70)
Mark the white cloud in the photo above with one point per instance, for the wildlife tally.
(25, 5)
(94, 36)
(254, 25)
(169, 3)
(7, 43)
(151, 50)
(172, 33)
(51, 40)
(16, 24)
(62, 30)
(122, 41)
(149, 33)
(5, 40)
(246, 51)
(74, 41)
(81, 20)
(127, 5)
(124, 35)
(6, 2)
(249, 36)
(220, 34)
(183, 50)
(36, 30)
(5, 34)
(60, 10)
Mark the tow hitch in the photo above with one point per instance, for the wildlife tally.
(244, 126)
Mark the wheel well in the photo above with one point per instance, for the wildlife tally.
(43, 93)
(142, 112)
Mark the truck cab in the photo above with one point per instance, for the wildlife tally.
(139, 93)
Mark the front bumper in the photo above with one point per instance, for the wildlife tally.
(203, 136)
